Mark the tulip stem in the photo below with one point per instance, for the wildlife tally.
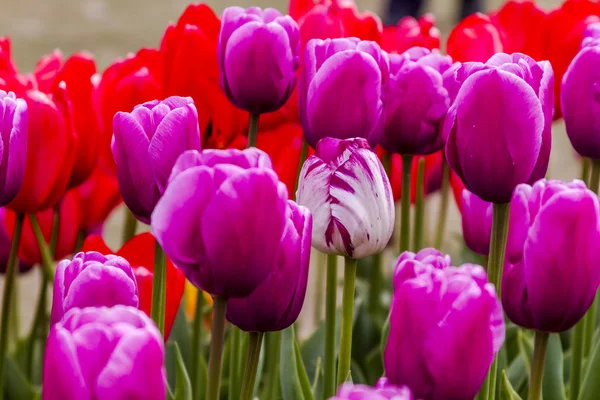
(55, 227)
(38, 318)
(235, 349)
(253, 129)
(303, 154)
(443, 213)
(217, 340)
(47, 258)
(576, 359)
(419, 206)
(254, 345)
(330, 306)
(159, 295)
(375, 281)
(197, 352)
(537, 365)
(130, 226)
(405, 203)
(347, 315)
(585, 170)
(273, 354)
(9, 287)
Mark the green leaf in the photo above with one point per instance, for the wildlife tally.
(590, 389)
(180, 333)
(517, 373)
(290, 381)
(553, 387)
(525, 347)
(16, 385)
(304, 382)
(507, 392)
(183, 387)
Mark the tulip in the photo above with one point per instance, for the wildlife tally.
(476, 222)
(382, 391)
(475, 38)
(579, 100)
(69, 223)
(92, 280)
(10, 79)
(99, 195)
(446, 325)
(146, 145)
(411, 32)
(427, 256)
(5, 244)
(104, 353)
(493, 152)
(345, 69)
(135, 251)
(191, 68)
(124, 84)
(415, 101)
(348, 192)
(591, 35)
(13, 127)
(258, 58)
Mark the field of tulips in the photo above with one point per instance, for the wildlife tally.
(253, 147)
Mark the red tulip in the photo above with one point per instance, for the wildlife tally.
(69, 223)
(475, 38)
(411, 32)
(457, 188)
(564, 36)
(433, 175)
(189, 51)
(125, 84)
(99, 196)
(139, 251)
(10, 79)
(7, 66)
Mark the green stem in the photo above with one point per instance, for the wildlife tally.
(347, 315)
(80, 239)
(537, 365)
(217, 340)
(254, 345)
(159, 288)
(55, 226)
(375, 283)
(495, 267)
(330, 306)
(38, 319)
(576, 360)
(253, 129)
(585, 170)
(273, 354)
(303, 154)
(9, 287)
(130, 226)
(405, 203)
(419, 205)
(443, 213)
(47, 258)
(197, 352)
(235, 367)
(15, 320)
(320, 287)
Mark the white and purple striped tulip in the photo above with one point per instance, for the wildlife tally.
(348, 192)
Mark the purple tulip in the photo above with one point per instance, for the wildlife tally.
(348, 192)
(382, 391)
(446, 325)
(425, 257)
(258, 58)
(493, 149)
(580, 98)
(13, 149)
(415, 101)
(146, 144)
(591, 35)
(277, 301)
(551, 272)
(104, 354)
(92, 280)
(476, 222)
(222, 218)
(340, 90)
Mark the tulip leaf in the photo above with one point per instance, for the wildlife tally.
(183, 386)
(290, 381)
(525, 347)
(304, 382)
(507, 392)
(553, 385)
(590, 389)
(517, 373)
(17, 386)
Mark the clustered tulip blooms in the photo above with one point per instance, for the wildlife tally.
(244, 144)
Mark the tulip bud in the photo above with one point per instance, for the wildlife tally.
(104, 354)
(382, 391)
(348, 70)
(476, 222)
(411, 32)
(222, 218)
(544, 286)
(13, 129)
(92, 280)
(475, 38)
(258, 58)
(446, 326)
(416, 102)
(276, 303)
(348, 192)
(146, 144)
(494, 151)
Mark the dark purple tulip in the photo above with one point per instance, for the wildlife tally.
(13, 146)
(104, 354)
(580, 98)
(551, 272)
(476, 222)
(222, 218)
(92, 280)
(446, 326)
(258, 54)
(276, 303)
(415, 102)
(146, 144)
(382, 391)
(340, 90)
(493, 149)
